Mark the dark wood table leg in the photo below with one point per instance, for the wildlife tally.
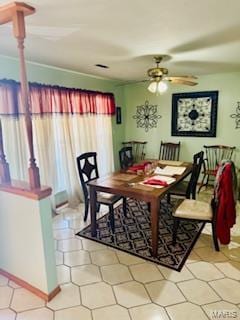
(93, 207)
(155, 206)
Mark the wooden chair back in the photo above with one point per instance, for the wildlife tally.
(87, 169)
(169, 151)
(215, 153)
(197, 165)
(138, 149)
(126, 157)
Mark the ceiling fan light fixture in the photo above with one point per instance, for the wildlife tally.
(158, 87)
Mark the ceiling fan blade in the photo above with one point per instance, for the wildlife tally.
(130, 82)
(188, 76)
(182, 77)
(181, 81)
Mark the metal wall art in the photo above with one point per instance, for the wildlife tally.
(147, 116)
(194, 114)
(236, 116)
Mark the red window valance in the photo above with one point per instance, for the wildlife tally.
(54, 99)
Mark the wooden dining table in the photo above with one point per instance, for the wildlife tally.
(129, 185)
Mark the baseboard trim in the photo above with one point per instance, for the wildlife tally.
(29, 287)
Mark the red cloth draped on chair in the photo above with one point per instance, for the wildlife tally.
(226, 210)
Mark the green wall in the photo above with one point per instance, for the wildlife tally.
(9, 69)
(227, 84)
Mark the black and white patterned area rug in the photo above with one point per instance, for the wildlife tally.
(133, 234)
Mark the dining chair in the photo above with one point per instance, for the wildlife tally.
(169, 151)
(221, 212)
(126, 157)
(138, 149)
(190, 209)
(187, 189)
(88, 171)
(213, 155)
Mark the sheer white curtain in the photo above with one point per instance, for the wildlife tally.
(58, 140)
(66, 122)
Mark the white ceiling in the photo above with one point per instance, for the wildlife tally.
(199, 37)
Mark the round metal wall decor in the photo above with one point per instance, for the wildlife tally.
(236, 116)
(147, 116)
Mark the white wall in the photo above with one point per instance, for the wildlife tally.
(26, 240)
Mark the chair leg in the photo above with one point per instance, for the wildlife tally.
(86, 210)
(194, 194)
(175, 227)
(202, 183)
(98, 206)
(125, 206)
(168, 198)
(111, 218)
(207, 180)
(149, 206)
(215, 240)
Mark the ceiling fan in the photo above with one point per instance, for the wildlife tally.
(158, 78)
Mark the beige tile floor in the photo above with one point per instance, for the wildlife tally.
(100, 283)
